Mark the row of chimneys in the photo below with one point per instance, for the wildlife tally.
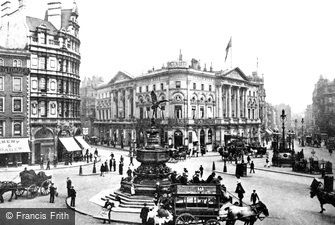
(54, 11)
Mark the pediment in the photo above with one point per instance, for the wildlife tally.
(119, 77)
(236, 74)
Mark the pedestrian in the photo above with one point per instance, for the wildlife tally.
(131, 159)
(201, 169)
(267, 162)
(52, 193)
(108, 206)
(121, 158)
(112, 155)
(48, 164)
(41, 163)
(144, 214)
(252, 167)
(121, 168)
(240, 191)
(114, 165)
(248, 159)
(102, 170)
(254, 197)
(91, 156)
(106, 167)
(73, 195)
(96, 152)
(210, 178)
(110, 164)
(87, 157)
(68, 186)
(55, 162)
(70, 159)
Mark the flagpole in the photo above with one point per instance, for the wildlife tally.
(231, 54)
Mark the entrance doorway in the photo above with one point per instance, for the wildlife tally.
(178, 138)
(202, 138)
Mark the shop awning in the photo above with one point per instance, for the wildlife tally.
(267, 130)
(14, 145)
(70, 144)
(82, 142)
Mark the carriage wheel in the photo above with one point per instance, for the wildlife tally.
(44, 190)
(32, 191)
(19, 191)
(185, 218)
(212, 222)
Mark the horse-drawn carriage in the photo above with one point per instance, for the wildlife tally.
(256, 149)
(208, 204)
(324, 192)
(178, 154)
(32, 183)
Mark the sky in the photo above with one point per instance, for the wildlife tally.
(294, 41)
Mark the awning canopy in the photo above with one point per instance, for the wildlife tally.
(70, 144)
(82, 142)
(14, 145)
(267, 130)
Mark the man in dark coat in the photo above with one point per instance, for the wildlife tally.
(68, 186)
(110, 164)
(106, 167)
(52, 193)
(210, 178)
(144, 214)
(254, 197)
(121, 168)
(108, 205)
(201, 169)
(114, 165)
(73, 195)
(252, 167)
(240, 191)
(102, 170)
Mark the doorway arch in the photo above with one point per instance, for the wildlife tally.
(178, 138)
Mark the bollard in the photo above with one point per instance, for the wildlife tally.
(213, 166)
(94, 169)
(80, 170)
(225, 167)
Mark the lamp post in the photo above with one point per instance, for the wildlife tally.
(283, 119)
(302, 133)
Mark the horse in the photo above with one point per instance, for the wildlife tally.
(324, 197)
(6, 186)
(247, 214)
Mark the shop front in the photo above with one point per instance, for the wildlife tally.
(14, 151)
(68, 150)
(83, 144)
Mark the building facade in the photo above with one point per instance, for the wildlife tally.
(203, 107)
(14, 105)
(324, 106)
(53, 43)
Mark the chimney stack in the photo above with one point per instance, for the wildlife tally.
(54, 13)
(5, 8)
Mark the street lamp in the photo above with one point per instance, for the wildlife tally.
(283, 119)
(302, 132)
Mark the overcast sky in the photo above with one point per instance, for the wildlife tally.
(293, 40)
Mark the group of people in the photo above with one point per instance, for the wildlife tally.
(71, 193)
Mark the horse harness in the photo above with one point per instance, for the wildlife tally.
(257, 212)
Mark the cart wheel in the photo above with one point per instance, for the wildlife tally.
(212, 222)
(32, 191)
(19, 191)
(185, 218)
(44, 190)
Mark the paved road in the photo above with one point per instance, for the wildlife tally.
(286, 196)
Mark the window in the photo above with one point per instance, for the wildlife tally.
(2, 128)
(209, 112)
(178, 111)
(42, 84)
(53, 85)
(34, 108)
(162, 86)
(52, 63)
(202, 87)
(248, 113)
(2, 104)
(210, 88)
(53, 108)
(2, 62)
(1, 83)
(194, 86)
(34, 84)
(202, 112)
(42, 63)
(178, 84)
(147, 88)
(17, 104)
(17, 63)
(154, 87)
(193, 111)
(42, 108)
(17, 128)
(147, 113)
(17, 84)
(140, 89)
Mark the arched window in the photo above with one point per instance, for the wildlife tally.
(53, 108)
(34, 108)
(2, 62)
(17, 128)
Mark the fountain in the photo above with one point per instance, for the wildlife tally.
(152, 171)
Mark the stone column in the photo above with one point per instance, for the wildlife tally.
(219, 102)
(229, 101)
(246, 104)
(238, 102)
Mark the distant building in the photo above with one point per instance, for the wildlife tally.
(205, 107)
(53, 43)
(309, 120)
(14, 103)
(324, 106)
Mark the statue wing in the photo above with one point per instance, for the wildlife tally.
(153, 97)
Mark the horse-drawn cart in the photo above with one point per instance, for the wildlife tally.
(32, 183)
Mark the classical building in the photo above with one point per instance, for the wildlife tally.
(14, 103)
(204, 106)
(324, 106)
(53, 43)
